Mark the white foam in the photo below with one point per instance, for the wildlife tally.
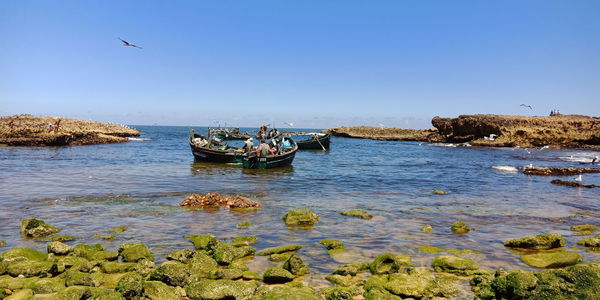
(507, 169)
(139, 139)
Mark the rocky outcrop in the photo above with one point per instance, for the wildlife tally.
(387, 134)
(559, 171)
(560, 131)
(28, 130)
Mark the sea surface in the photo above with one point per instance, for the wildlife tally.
(86, 190)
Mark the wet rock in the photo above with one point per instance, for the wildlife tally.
(580, 281)
(206, 200)
(183, 256)
(389, 263)
(31, 268)
(332, 244)
(74, 277)
(459, 227)
(131, 286)
(538, 242)
(552, 260)
(438, 192)
(156, 290)
(427, 228)
(203, 242)
(351, 269)
(339, 293)
(119, 229)
(340, 280)
(279, 250)
(584, 227)
(244, 224)
(59, 248)
(35, 228)
(295, 265)
(232, 274)
(244, 240)
(172, 273)
(590, 242)
(573, 183)
(134, 252)
(358, 213)
(220, 289)
(117, 267)
(300, 217)
(239, 201)
(25, 294)
(558, 171)
(454, 264)
(62, 238)
(247, 275)
(17, 254)
(277, 275)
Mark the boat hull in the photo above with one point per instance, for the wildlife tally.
(314, 143)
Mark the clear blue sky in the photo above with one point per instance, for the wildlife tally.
(315, 63)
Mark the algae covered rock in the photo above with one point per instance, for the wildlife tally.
(438, 192)
(339, 293)
(389, 263)
(590, 242)
(183, 256)
(16, 254)
(427, 228)
(300, 217)
(156, 290)
(552, 260)
(31, 268)
(119, 229)
(224, 253)
(117, 267)
(277, 275)
(232, 274)
(62, 238)
(584, 227)
(351, 269)
(459, 227)
(580, 281)
(248, 275)
(454, 264)
(203, 242)
(220, 289)
(172, 273)
(131, 286)
(330, 244)
(280, 256)
(74, 277)
(279, 250)
(539, 242)
(35, 228)
(244, 240)
(134, 252)
(94, 252)
(295, 265)
(59, 248)
(73, 293)
(244, 224)
(25, 294)
(287, 293)
(358, 213)
(46, 285)
(341, 280)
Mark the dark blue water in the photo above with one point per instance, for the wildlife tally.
(87, 189)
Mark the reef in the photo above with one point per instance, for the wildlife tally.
(28, 130)
(214, 200)
(538, 242)
(573, 184)
(387, 133)
(558, 171)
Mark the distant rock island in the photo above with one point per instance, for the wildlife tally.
(557, 131)
(28, 130)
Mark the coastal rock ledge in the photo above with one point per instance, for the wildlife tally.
(28, 130)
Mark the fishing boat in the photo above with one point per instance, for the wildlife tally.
(230, 134)
(204, 150)
(288, 152)
(316, 141)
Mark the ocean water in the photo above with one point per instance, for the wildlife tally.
(87, 189)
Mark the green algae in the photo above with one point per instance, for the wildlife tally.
(248, 275)
(202, 242)
(438, 192)
(119, 229)
(117, 267)
(435, 250)
(351, 269)
(277, 275)
(454, 264)
(244, 224)
(62, 238)
(134, 252)
(459, 227)
(584, 227)
(538, 242)
(331, 244)
(339, 293)
(109, 237)
(389, 263)
(552, 259)
(427, 228)
(279, 250)
(220, 289)
(156, 290)
(16, 254)
(280, 256)
(244, 240)
(300, 217)
(59, 248)
(36, 228)
(295, 265)
(358, 213)
(590, 242)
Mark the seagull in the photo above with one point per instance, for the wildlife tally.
(290, 124)
(545, 147)
(525, 105)
(578, 178)
(128, 44)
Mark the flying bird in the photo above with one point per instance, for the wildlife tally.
(128, 44)
(525, 105)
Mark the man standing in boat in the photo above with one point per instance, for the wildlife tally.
(249, 145)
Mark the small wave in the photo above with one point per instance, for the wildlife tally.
(507, 169)
(572, 158)
(451, 145)
(139, 139)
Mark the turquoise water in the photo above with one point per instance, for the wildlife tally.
(87, 189)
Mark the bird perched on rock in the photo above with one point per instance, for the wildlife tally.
(128, 44)
(525, 105)
(578, 178)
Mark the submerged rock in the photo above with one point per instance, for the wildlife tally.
(351, 269)
(454, 264)
(119, 229)
(244, 224)
(300, 217)
(341, 280)
(239, 201)
(59, 248)
(220, 289)
(2, 243)
(459, 227)
(279, 250)
(584, 227)
(358, 213)
(277, 275)
(295, 265)
(62, 238)
(134, 252)
(573, 183)
(35, 228)
(590, 242)
(331, 244)
(247, 275)
(427, 228)
(389, 263)
(280, 256)
(244, 240)
(434, 250)
(552, 259)
(438, 192)
(580, 281)
(206, 200)
(538, 242)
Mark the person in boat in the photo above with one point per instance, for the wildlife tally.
(215, 141)
(262, 149)
(275, 149)
(200, 141)
(248, 145)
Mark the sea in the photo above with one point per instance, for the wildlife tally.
(86, 190)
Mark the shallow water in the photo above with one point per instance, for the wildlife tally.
(88, 189)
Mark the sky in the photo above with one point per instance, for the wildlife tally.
(316, 64)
